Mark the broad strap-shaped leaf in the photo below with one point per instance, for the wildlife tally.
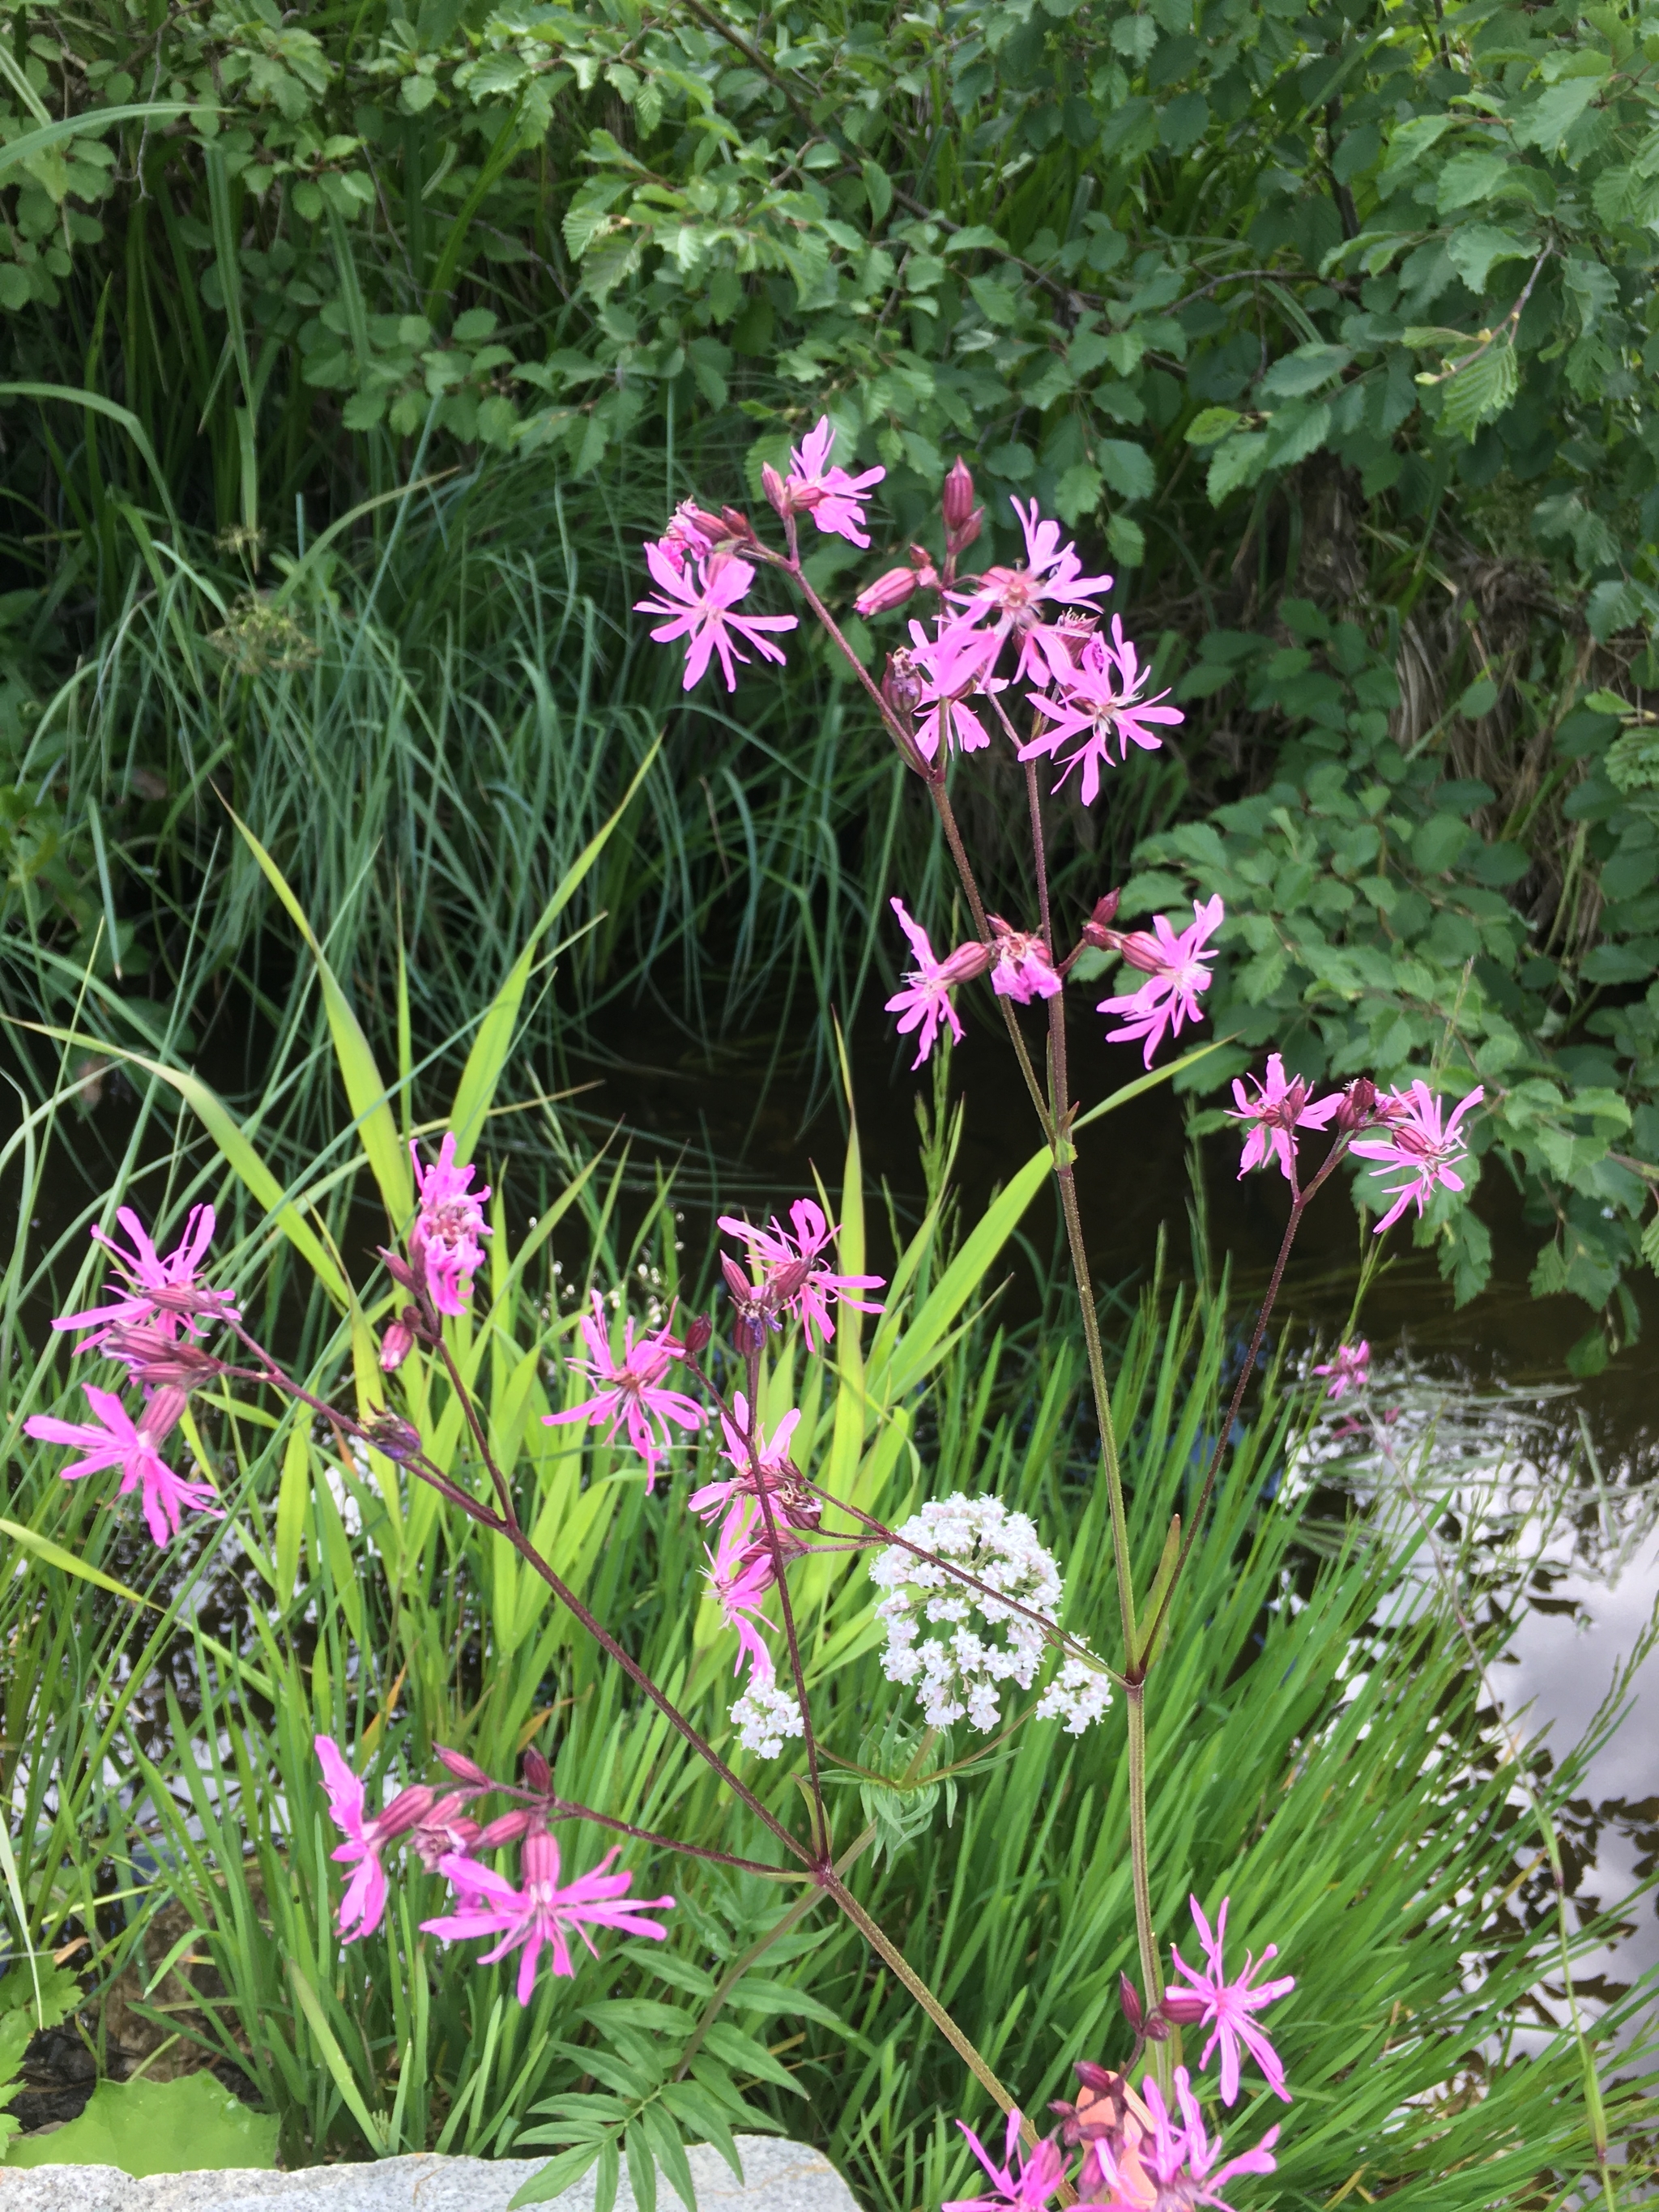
(476, 1091)
(368, 1096)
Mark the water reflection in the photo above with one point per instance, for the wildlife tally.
(1516, 1525)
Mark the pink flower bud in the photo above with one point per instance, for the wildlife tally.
(740, 1288)
(699, 1331)
(773, 485)
(1358, 1109)
(396, 1345)
(957, 504)
(966, 962)
(507, 1830)
(1097, 930)
(407, 1810)
(398, 1269)
(538, 1774)
(1129, 1997)
(737, 525)
(888, 591)
(463, 1768)
(963, 538)
(1140, 949)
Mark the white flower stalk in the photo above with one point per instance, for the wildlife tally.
(958, 1646)
(764, 1716)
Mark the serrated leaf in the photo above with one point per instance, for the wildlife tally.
(1127, 467)
(1476, 248)
(1294, 375)
(1078, 493)
(1211, 423)
(1296, 431)
(1237, 461)
(1479, 391)
(1469, 177)
(1650, 1244)
(1125, 541)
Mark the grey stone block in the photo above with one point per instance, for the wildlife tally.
(778, 2177)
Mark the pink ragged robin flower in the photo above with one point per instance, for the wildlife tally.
(1414, 1139)
(1278, 1111)
(1177, 2169)
(630, 1390)
(443, 1244)
(1350, 1369)
(955, 667)
(790, 1258)
(1031, 2188)
(1225, 2007)
(766, 1466)
(1021, 968)
(925, 999)
(364, 1902)
(698, 608)
(1004, 603)
(833, 499)
(741, 1570)
(689, 536)
(114, 1440)
(1176, 971)
(769, 1469)
(545, 1911)
(1098, 709)
(157, 1293)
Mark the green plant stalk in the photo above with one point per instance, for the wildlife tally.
(885, 1949)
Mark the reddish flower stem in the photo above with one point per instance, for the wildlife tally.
(820, 1818)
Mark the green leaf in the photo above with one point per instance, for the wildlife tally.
(998, 303)
(557, 2177)
(368, 1095)
(1211, 423)
(1476, 248)
(1127, 467)
(1469, 177)
(1078, 493)
(1554, 113)
(191, 2125)
(878, 190)
(476, 1091)
(1125, 541)
(1237, 461)
(1296, 375)
(69, 1563)
(1482, 390)
(1438, 843)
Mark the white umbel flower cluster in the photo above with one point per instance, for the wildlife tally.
(764, 1715)
(958, 1646)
